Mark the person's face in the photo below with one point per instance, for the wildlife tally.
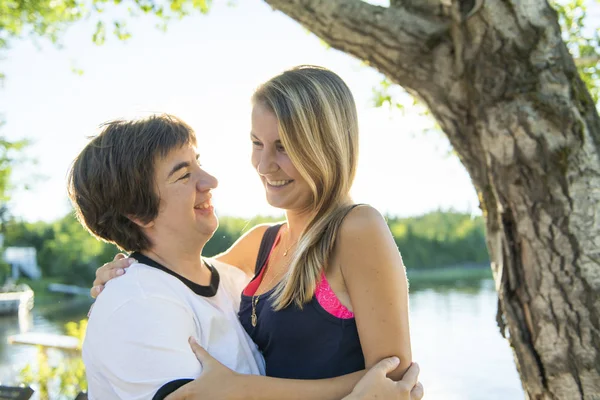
(184, 190)
(284, 186)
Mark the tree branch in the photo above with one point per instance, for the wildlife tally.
(587, 61)
(390, 39)
(429, 7)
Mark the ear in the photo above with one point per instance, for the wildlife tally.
(140, 223)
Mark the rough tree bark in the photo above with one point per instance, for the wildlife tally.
(503, 87)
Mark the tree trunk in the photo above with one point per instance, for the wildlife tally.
(503, 87)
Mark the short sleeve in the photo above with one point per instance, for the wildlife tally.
(144, 345)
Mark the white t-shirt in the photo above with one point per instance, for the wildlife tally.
(138, 330)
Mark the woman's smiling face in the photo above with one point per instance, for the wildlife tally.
(285, 188)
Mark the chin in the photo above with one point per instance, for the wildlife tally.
(213, 224)
(276, 202)
(209, 225)
(287, 203)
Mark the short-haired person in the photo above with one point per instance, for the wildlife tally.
(329, 294)
(139, 184)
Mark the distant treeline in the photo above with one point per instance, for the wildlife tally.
(67, 252)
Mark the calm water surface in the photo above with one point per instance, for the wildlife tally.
(454, 337)
(458, 346)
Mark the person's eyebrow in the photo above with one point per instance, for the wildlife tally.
(181, 165)
(253, 136)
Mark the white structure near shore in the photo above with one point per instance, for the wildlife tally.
(15, 299)
(23, 262)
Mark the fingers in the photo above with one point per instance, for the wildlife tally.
(417, 392)
(411, 376)
(109, 271)
(116, 268)
(119, 256)
(96, 290)
(112, 269)
(386, 365)
(201, 354)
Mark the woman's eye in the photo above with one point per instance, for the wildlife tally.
(185, 176)
(257, 144)
(281, 148)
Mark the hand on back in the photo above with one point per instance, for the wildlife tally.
(109, 271)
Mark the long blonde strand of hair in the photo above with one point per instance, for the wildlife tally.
(318, 127)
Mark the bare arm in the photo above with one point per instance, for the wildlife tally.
(375, 385)
(242, 254)
(211, 384)
(268, 388)
(375, 279)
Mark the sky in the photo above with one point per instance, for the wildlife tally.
(204, 70)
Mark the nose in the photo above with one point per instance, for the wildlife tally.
(207, 182)
(266, 163)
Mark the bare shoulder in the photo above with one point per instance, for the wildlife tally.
(242, 254)
(361, 223)
(252, 238)
(365, 239)
(257, 231)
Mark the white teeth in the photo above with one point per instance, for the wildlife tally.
(203, 205)
(278, 183)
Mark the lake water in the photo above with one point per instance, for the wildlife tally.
(454, 335)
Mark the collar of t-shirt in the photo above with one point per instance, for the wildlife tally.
(206, 291)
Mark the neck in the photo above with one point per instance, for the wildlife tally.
(296, 223)
(182, 257)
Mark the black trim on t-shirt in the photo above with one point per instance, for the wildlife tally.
(204, 291)
(170, 387)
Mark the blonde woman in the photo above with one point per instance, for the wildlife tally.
(329, 294)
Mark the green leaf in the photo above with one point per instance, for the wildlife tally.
(100, 35)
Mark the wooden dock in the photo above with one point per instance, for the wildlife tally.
(46, 341)
(68, 289)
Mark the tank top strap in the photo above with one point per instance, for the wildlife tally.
(266, 244)
(352, 207)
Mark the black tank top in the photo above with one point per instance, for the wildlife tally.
(307, 343)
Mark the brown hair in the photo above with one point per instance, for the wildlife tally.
(112, 180)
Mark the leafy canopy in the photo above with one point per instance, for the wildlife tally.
(49, 18)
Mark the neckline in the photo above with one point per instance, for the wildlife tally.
(266, 267)
(209, 290)
(259, 276)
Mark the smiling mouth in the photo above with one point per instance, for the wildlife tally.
(280, 183)
(203, 206)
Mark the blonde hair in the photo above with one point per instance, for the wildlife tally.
(318, 127)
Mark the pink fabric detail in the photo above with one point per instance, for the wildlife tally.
(329, 301)
(252, 287)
